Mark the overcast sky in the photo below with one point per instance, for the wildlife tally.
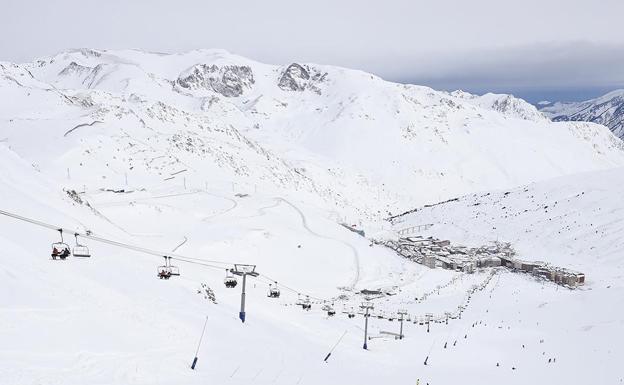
(533, 48)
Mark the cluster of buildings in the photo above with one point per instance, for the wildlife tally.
(438, 253)
(559, 275)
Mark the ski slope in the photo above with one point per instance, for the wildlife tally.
(217, 159)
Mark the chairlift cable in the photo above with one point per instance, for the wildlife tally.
(182, 258)
(192, 260)
(105, 240)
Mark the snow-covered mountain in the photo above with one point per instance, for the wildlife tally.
(345, 135)
(607, 110)
(217, 159)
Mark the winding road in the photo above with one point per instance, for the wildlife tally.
(304, 221)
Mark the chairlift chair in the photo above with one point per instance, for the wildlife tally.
(81, 251)
(305, 304)
(330, 310)
(164, 272)
(60, 249)
(274, 291)
(230, 280)
(167, 270)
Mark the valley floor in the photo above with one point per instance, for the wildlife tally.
(109, 320)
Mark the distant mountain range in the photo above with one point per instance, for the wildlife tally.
(607, 110)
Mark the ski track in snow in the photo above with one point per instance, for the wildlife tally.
(356, 256)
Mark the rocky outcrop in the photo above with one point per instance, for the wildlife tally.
(75, 69)
(229, 81)
(299, 78)
(507, 105)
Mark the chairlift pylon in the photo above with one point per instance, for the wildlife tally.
(80, 250)
(60, 249)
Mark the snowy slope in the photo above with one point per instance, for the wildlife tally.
(110, 320)
(575, 222)
(227, 160)
(310, 127)
(607, 109)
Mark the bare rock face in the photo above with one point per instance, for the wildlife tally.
(299, 78)
(75, 68)
(294, 78)
(229, 81)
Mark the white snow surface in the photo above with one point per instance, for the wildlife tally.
(220, 161)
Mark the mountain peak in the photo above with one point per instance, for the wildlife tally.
(607, 109)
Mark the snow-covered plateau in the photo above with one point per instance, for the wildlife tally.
(215, 160)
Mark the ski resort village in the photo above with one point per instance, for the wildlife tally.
(204, 218)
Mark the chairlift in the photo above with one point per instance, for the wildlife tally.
(330, 310)
(164, 271)
(80, 250)
(274, 291)
(60, 249)
(304, 303)
(230, 280)
(307, 305)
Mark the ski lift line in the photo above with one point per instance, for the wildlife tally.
(294, 291)
(197, 261)
(105, 240)
(291, 289)
(288, 288)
